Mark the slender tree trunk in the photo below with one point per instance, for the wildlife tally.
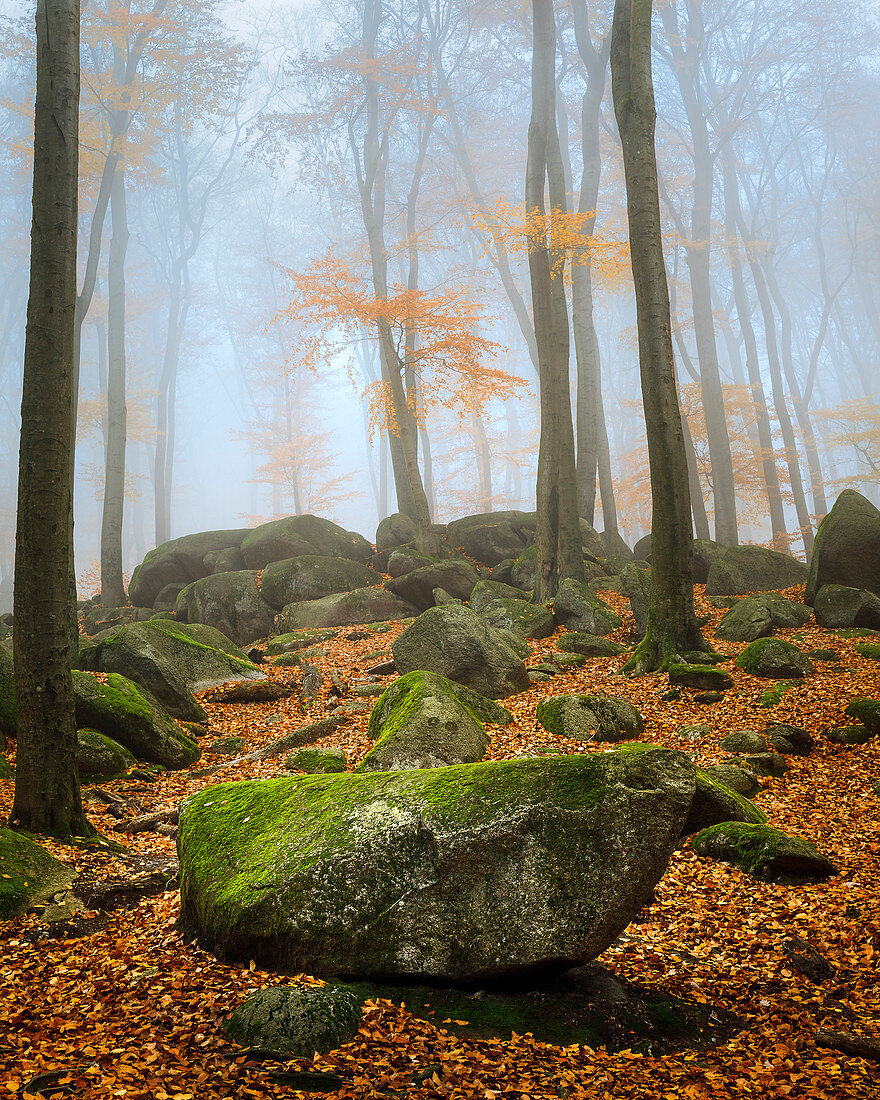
(672, 626)
(753, 366)
(47, 795)
(112, 587)
(687, 72)
(558, 535)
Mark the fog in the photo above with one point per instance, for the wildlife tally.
(240, 136)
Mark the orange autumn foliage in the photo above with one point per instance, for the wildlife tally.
(333, 308)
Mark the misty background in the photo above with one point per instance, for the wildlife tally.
(251, 392)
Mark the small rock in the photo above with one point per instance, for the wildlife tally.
(766, 763)
(823, 654)
(589, 645)
(706, 698)
(804, 958)
(251, 691)
(743, 741)
(227, 746)
(742, 780)
(590, 718)
(849, 735)
(706, 677)
(774, 659)
(697, 732)
(764, 853)
(296, 1022)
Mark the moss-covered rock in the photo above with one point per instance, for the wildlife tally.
(455, 576)
(849, 735)
(493, 537)
(100, 757)
(520, 617)
(522, 571)
(8, 707)
(297, 639)
(483, 708)
(756, 616)
(422, 722)
(774, 659)
(740, 570)
(404, 559)
(28, 874)
(171, 661)
(466, 873)
(228, 746)
(180, 561)
(847, 547)
(395, 530)
(866, 711)
(295, 535)
(869, 650)
(588, 645)
(454, 642)
(742, 780)
(590, 718)
(296, 1021)
(576, 607)
(311, 577)
(790, 740)
(316, 761)
(363, 605)
(715, 802)
(230, 602)
(485, 593)
(743, 741)
(705, 677)
(836, 605)
(762, 763)
(764, 853)
(122, 711)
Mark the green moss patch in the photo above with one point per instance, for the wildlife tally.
(866, 711)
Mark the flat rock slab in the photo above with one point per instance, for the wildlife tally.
(470, 873)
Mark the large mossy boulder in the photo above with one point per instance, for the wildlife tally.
(29, 876)
(705, 552)
(590, 718)
(740, 570)
(363, 605)
(422, 722)
(470, 873)
(231, 603)
(589, 645)
(180, 561)
(756, 616)
(577, 608)
(296, 1021)
(100, 757)
(847, 547)
(455, 576)
(493, 537)
(520, 617)
(171, 660)
(132, 717)
(774, 659)
(294, 536)
(715, 802)
(488, 592)
(311, 577)
(837, 606)
(764, 852)
(456, 643)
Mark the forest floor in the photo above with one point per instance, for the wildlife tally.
(124, 1007)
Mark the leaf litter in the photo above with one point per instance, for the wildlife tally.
(125, 1008)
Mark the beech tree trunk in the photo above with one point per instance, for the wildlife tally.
(558, 534)
(672, 627)
(47, 794)
(112, 587)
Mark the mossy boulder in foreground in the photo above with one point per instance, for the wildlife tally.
(467, 873)
(764, 853)
(28, 874)
(296, 1021)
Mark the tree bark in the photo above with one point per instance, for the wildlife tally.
(558, 533)
(672, 627)
(47, 795)
(112, 587)
(686, 68)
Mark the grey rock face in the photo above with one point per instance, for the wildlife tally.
(100, 756)
(756, 616)
(231, 603)
(590, 718)
(847, 546)
(179, 561)
(836, 605)
(363, 605)
(311, 577)
(395, 530)
(460, 874)
(422, 723)
(455, 642)
(578, 609)
(738, 570)
(417, 587)
(296, 535)
(296, 1021)
(774, 659)
(171, 660)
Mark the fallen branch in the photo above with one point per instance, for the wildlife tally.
(856, 1045)
(111, 895)
(148, 822)
(305, 735)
